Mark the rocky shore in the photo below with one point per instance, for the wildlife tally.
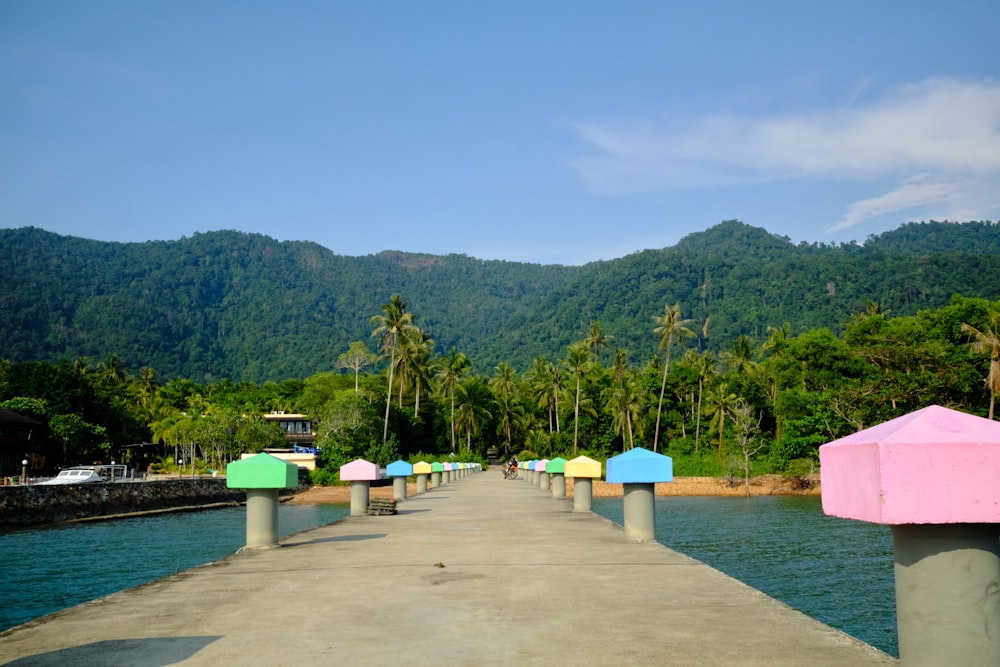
(32, 505)
(765, 485)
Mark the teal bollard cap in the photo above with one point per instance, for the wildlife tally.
(262, 471)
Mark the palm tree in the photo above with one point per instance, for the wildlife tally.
(510, 414)
(81, 365)
(149, 380)
(539, 442)
(394, 321)
(578, 363)
(169, 428)
(669, 327)
(622, 400)
(704, 365)
(504, 381)
(776, 344)
(113, 370)
(152, 408)
(596, 339)
(547, 386)
(451, 369)
(403, 362)
(721, 402)
(472, 396)
(740, 356)
(987, 341)
(504, 386)
(421, 347)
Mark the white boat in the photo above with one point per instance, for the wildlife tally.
(89, 474)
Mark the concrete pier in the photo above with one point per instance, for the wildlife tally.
(446, 581)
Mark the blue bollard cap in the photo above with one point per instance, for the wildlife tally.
(640, 466)
(399, 469)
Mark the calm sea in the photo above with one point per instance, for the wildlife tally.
(839, 572)
(48, 569)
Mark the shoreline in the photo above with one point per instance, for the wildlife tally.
(764, 485)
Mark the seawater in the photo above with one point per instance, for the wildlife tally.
(49, 569)
(837, 571)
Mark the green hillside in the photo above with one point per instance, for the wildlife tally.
(247, 307)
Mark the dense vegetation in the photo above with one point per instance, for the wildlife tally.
(757, 408)
(761, 398)
(246, 307)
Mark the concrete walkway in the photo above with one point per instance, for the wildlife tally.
(481, 571)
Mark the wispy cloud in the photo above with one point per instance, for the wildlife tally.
(918, 191)
(939, 140)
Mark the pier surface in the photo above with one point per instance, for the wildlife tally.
(480, 571)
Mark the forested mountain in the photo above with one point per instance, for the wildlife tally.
(247, 307)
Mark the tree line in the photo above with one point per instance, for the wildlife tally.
(758, 406)
(246, 307)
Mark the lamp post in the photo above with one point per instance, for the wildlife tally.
(24, 471)
(180, 468)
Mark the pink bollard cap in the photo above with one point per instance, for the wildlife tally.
(359, 470)
(932, 466)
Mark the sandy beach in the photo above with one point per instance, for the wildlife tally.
(765, 485)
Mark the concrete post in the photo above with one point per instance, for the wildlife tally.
(422, 470)
(261, 476)
(583, 494)
(360, 474)
(934, 476)
(543, 476)
(262, 518)
(638, 470)
(584, 471)
(640, 511)
(360, 495)
(947, 584)
(559, 486)
(399, 471)
(557, 468)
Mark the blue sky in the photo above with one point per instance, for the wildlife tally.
(552, 132)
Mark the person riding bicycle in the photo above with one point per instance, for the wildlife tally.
(510, 467)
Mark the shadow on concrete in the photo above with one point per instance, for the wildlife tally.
(410, 511)
(151, 652)
(337, 538)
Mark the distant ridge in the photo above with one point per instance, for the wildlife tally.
(248, 307)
